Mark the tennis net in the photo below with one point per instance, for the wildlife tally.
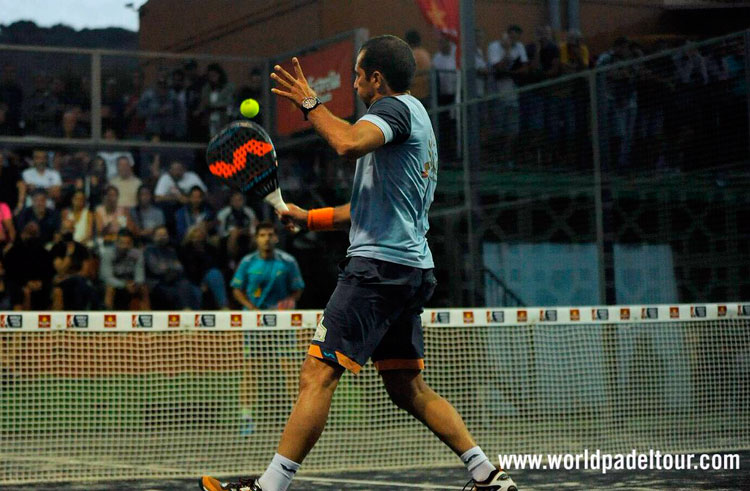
(90, 396)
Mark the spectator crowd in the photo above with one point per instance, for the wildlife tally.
(74, 237)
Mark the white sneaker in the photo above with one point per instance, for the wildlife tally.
(499, 480)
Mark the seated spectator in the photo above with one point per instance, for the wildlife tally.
(29, 271)
(574, 54)
(95, 182)
(268, 278)
(126, 183)
(165, 276)
(72, 169)
(163, 112)
(145, 217)
(71, 290)
(12, 185)
(195, 211)
(111, 217)
(7, 229)
(124, 275)
(47, 219)
(236, 217)
(7, 128)
(5, 300)
(81, 217)
(110, 156)
(174, 185)
(40, 176)
(199, 259)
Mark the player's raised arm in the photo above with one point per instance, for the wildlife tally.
(348, 140)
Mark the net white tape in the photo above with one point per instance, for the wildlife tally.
(123, 395)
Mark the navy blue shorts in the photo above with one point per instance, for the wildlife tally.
(374, 312)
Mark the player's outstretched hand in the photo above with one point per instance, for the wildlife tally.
(293, 87)
(295, 217)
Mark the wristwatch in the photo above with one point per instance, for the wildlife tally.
(308, 104)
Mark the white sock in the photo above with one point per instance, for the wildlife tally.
(477, 463)
(279, 474)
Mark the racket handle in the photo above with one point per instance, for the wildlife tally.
(274, 199)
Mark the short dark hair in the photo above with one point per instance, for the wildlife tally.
(265, 225)
(516, 28)
(412, 37)
(392, 57)
(126, 233)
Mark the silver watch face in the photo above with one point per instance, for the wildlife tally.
(309, 102)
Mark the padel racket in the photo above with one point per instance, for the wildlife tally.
(242, 155)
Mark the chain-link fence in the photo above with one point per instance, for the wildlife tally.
(621, 184)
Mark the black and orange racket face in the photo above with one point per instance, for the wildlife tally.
(243, 155)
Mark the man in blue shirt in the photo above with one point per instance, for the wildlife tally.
(374, 312)
(268, 278)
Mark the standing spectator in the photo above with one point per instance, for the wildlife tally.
(7, 229)
(11, 94)
(71, 125)
(29, 271)
(46, 218)
(621, 101)
(253, 90)
(124, 275)
(113, 107)
(162, 112)
(216, 99)
(12, 186)
(195, 211)
(165, 276)
(40, 176)
(193, 91)
(268, 278)
(145, 217)
(446, 76)
(126, 183)
(81, 217)
(199, 259)
(111, 217)
(480, 64)
(44, 109)
(420, 87)
(134, 125)
(574, 54)
(507, 59)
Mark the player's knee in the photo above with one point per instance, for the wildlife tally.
(403, 388)
(318, 375)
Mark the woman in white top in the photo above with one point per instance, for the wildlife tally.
(82, 218)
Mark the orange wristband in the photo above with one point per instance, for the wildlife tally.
(320, 219)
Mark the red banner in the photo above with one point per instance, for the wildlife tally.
(329, 71)
(443, 15)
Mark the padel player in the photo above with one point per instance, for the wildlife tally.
(387, 277)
